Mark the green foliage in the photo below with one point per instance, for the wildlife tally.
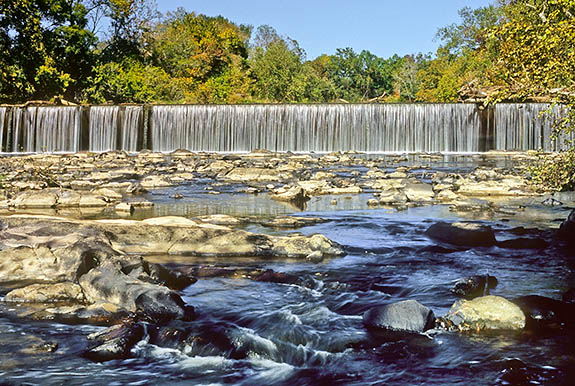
(45, 49)
(363, 76)
(537, 51)
(131, 81)
(206, 56)
(555, 172)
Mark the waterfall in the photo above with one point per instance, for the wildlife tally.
(3, 119)
(372, 128)
(103, 128)
(320, 128)
(46, 129)
(131, 123)
(528, 126)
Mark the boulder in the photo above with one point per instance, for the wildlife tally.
(544, 312)
(405, 316)
(485, 313)
(108, 284)
(462, 234)
(294, 194)
(474, 286)
(419, 192)
(392, 197)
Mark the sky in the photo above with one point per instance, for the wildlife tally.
(384, 27)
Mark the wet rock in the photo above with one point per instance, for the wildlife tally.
(294, 194)
(372, 202)
(567, 229)
(551, 201)
(474, 286)
(523, 243)
(420, 192)
(312, 247)
(462, 234)
(404, 316)
(270, 276)
(172, 279)
(163, 306)
(47, 293)
(152, 182)
(124, 207)
(114, 342)
(485, 313)
(40, 348)
(177, 196)
(142, 204)
(544, 312)
(135, 188)
(392, 197)
(101, 314)
(109, 284)
(569, 296)
(447, 196)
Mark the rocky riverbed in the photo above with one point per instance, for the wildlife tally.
(264, 267)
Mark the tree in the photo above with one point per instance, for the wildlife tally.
(206, 55)
(363, 76)
(536, 51)
(405, 80)
(45, 49)
(278, 71)
(466, 54)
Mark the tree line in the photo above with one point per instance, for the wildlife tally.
(98, 51)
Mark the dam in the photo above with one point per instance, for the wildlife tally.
(372, 128)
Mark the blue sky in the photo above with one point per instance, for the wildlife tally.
(384, 27)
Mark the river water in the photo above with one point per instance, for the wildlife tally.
(311, 332)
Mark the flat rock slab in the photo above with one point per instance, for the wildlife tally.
(163, 235)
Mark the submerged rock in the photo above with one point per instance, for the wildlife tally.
(462, 234)
(542, 311)
(523, 243)
(404, 316)
(485, 313)
(474, 286)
